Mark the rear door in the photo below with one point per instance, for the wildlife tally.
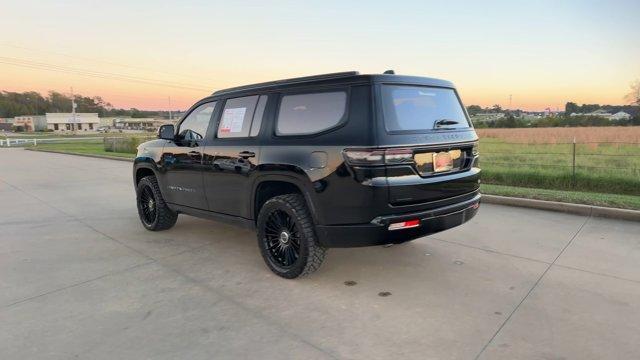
(431, 124)
(231, 158)
(181, 175)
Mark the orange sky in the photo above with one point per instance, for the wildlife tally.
(139, 55)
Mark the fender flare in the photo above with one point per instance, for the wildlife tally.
(298, 180)
(144, 163)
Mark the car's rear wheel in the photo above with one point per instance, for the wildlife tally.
(286, 237)
(154, 213)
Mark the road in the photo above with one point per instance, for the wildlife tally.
(81, 278)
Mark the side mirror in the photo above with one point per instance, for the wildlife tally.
(167, 132)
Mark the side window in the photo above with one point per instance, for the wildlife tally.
(237, 116)
(194, 127)
(257, 118)
(310, 113)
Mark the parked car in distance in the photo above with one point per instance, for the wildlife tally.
(335, 160)
(103, 129)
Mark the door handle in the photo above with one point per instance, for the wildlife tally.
(194, 153)
(247, 154)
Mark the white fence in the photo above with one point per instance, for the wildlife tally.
(14, 142)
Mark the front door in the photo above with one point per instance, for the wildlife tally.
(230, 160)
(181, 163)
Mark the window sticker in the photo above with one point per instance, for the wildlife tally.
(232, 120)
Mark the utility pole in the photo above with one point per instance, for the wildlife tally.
(170, 115)
(73, 111)
(510, 98)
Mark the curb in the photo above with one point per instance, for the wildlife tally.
(579, 209)
(85, 155)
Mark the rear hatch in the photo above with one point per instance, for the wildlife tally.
(429, 144)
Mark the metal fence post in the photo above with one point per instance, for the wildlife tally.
(574, 163)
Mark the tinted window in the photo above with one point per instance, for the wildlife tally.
(236, 117)
(257, 118)
(194, 127)
(310, 113)
(419, 107)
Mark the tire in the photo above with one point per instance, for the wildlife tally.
(297, 253)
(154, 213)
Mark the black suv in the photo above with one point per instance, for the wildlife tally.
(336, 160)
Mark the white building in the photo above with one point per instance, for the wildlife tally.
(69, 122)
(600, 113)
(620, 115)
(30, 123)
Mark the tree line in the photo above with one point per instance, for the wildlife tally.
(33, 103)
(515, 118)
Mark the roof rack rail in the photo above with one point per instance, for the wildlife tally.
(298, 80)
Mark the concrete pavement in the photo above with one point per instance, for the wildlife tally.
(81, 278)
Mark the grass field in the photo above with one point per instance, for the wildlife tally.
(576, 197)
(620, 134)
(607, 159)
(90, 147)
(50, 135)
(604, 167)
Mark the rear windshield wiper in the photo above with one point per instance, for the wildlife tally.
(444, 122)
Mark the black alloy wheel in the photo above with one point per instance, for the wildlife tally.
(148, 204)
(154, 213)
(282, 238)
(286, 237)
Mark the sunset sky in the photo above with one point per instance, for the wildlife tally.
(140, 53)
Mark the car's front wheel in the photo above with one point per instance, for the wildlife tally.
(154, 213)
(286, 237)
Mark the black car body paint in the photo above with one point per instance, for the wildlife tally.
(351, 205)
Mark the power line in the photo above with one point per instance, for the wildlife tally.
(93, 60)
(96, 74)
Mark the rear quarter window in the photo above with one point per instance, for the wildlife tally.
(303, 114)
(417, 108)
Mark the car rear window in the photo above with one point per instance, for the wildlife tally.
(418, 108)
(310, 113)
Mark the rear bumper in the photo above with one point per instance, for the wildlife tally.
(377, 233)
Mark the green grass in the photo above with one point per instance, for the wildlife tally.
(91, 148)
(602, 168)
(577, 197)
(49, 135)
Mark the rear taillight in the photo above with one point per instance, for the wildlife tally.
(366, 157)
(376, 157)
(398, 156)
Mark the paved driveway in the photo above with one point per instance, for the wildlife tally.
(81, 278)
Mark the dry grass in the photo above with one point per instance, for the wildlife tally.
(622, 134)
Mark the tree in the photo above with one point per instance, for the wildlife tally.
(633, 97)
(496, 108)
(59, 102)
(474, 110)
(571, 108)
(32, 103)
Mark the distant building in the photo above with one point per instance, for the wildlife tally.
(6, 120)
(620, 115)
(483, 117)
(600, 113)
(30, 123)
(141, 123)
(67, 121)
